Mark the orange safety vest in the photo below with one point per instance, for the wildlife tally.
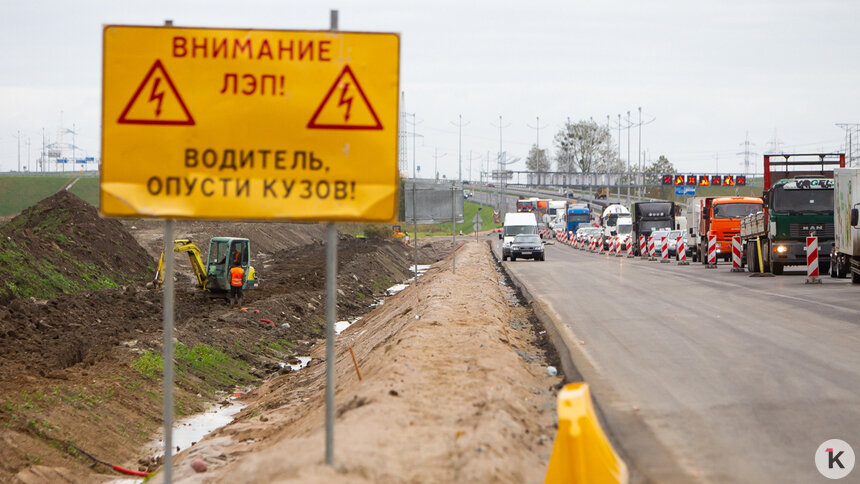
(236, 274)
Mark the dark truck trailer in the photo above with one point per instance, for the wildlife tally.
(651, 216)
(798, 202)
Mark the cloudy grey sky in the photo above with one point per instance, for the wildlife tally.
(707, 73)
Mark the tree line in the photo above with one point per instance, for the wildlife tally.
(587, 147)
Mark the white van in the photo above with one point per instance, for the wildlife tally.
(516, 224)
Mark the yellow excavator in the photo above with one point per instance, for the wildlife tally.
(214, 274)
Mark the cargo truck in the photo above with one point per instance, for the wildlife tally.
(578, 215)
(721, 216)
(651, 216)
(845, 255)
(797, 202)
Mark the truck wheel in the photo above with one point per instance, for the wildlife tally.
(752, 258)
(513, 258)
(855, 277)
(776, 268)
(841, 267)
(504, 257)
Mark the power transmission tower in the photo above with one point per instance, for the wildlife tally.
(775, 144)
(537, 127)
(851, 139)
(460, 125)
(746, 152)
(403, 155)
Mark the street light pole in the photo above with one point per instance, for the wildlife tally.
(639, 152)
(628, 158)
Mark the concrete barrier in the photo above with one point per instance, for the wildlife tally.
(581, 452)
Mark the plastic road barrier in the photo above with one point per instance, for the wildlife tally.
(812, 261)
(664, 250)
(630, 247)
(712, 252)
(600, 245)
(618, 247)
(682, 252)
(651, 255)
(736, 254)
(611, 246)
(643, 253)
(581, 452)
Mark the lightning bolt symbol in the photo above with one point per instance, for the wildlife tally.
(157, 95)
(345, 100)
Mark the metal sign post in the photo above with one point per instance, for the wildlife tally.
(167, 350)
(330, 307)
(453, 228)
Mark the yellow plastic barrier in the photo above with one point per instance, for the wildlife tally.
(582, 453)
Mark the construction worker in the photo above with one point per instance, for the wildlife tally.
(237, 279)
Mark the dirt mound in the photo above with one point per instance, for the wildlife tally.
(61, 245)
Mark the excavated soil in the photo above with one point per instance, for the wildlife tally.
(60, 245)
(70, 364)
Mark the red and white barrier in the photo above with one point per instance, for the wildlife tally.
(630, 247)
(643, 252)
(712, 252)
(682, 252)
(736, 254)
(664, 252)
(600, 249)
(618, 252)
(651, 254)
(812, 261)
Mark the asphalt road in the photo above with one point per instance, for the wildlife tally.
(703, 374)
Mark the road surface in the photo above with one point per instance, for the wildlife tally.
(703, 374)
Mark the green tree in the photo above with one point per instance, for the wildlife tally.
(656, 169)
(537, 160)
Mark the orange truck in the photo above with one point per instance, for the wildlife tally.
(721, 216)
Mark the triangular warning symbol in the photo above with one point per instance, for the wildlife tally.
(345, 106)
(156, 101)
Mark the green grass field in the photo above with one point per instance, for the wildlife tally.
(469, 211)
(20, 192)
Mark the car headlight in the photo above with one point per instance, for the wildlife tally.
(781, 249)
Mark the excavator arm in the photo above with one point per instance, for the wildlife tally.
(185, 245)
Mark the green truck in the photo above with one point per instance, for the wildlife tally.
(798, 202)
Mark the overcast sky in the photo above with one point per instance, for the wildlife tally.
(706, 74)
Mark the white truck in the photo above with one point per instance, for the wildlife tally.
(616, 220)
(694, 214)
(845, 256)
(516, 224)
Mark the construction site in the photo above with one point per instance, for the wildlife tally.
(453, 365)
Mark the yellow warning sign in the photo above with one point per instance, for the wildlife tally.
(249, 124)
